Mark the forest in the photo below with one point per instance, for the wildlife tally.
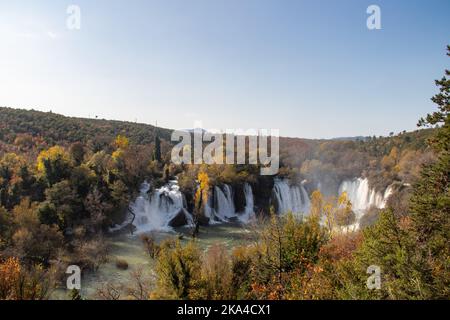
(66, 182)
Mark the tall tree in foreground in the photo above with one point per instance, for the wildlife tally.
(413, 252)
(430, 203)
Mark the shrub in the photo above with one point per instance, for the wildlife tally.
(178, 270)
(121, 264)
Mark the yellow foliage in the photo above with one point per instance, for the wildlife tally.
(13, 161)
(121, 142)
(53, 154)
(316, 204)
(336, 212)
(201, 195)
(9, 276)
(118, 154)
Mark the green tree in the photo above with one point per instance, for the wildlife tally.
(387, 245)
(157, 150)
(77, 153)
(178, 269)
(430, 203)
(63, 206)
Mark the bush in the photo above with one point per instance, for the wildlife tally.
(216, 274)
(150, 245)
(178, 270)
(121, 264)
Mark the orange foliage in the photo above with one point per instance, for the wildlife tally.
(9, 276)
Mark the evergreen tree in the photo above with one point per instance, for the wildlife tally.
(413, 252)
(157, 151)
(430, 204)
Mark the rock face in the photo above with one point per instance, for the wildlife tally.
(262, 190)
(179, 220)
(239, 197)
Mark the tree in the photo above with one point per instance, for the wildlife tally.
(316, 207)
(430, 203)
(62, 206)
(285, 247)
(6, 228)
(32, 241)
(157, 151)
(216, 274)
(77, 153)
(121, 142)
(11, 179)
(389, 246)
(178, 269)
(413, 252)
(441, 116)
(200, 200)
(19, 283)
(98, 210)
(54, 164)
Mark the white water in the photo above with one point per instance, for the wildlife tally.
(156, 211)
(224, 204)
(387, 193)
(249, 211)
(291, 198)
(220, 206)
(362, 197)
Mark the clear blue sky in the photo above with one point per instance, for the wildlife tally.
(309, 68)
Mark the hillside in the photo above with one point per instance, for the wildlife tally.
(55, 128)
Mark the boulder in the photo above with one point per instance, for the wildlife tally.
(179, 220)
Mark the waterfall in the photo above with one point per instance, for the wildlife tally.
(291, 198)
(389, 191)
(220, 206)
(249, 211)
(362, 197)
(155, 212)
(224, 204)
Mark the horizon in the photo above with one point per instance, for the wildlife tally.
(209, 130)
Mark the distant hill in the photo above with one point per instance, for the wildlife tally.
(357, 138)
(56, 128)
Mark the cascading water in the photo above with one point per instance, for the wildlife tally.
(220, 206)
(249, 211)
(362, 197)
(224, 203)
(389, 191)
(291, 198)
(156, 211)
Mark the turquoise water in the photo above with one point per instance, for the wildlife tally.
(130, 248)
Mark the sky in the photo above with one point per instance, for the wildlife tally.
(311, 69)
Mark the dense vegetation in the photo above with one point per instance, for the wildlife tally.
(293, 259)
(65, 181)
